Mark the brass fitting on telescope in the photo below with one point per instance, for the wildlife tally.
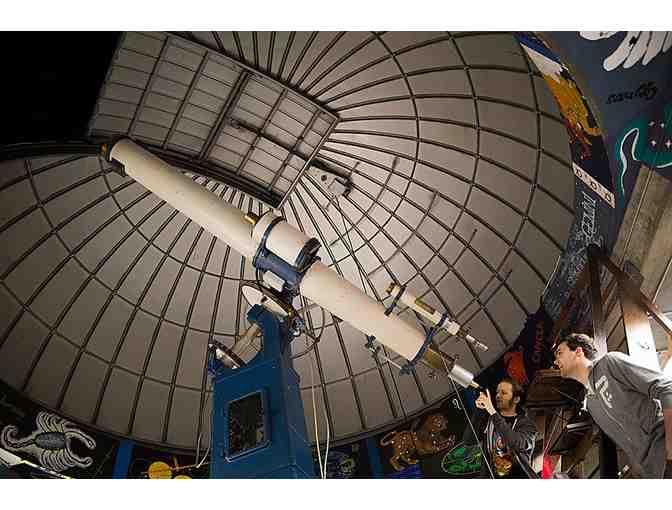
(251, 218)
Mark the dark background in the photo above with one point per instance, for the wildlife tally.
(50, 83)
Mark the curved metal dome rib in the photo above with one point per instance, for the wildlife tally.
(461, 189)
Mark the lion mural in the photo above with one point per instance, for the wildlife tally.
(427, 440)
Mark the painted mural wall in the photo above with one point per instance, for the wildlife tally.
(595, 218)
(346, 461)
(432, 445)
(147, 462)
(52, 442)
(614, 92)
(629, 76)
(61, 446)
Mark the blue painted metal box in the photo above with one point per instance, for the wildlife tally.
(259, 429)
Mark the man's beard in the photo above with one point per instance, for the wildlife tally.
(505, 405)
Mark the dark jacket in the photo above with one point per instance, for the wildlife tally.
(519, 438)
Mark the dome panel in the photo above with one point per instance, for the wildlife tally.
(20, 346)
(148, 422)
(452, 82)
(504, 85)
(27, 278)
(183, 423)
(13, 200)
(135, 348)
(375, 404)
(544, 254)
(107, 335)
(50, 371)
(492, 50)
(396, 41)
(192, 360)
(86, 384)
(50, 302)
(117, 401)
(11, 171)
(408, 399)
(166, 339)
(550, 214)
(437, 54)
(509, 186)
(20, 237)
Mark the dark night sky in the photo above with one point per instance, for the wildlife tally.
(50, 83)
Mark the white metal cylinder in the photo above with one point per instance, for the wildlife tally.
(422, 308)
(261, 226)
(461, 375)
(326, 288)
(215, 215)
(273, 281)
(284, 240)
(241, 345)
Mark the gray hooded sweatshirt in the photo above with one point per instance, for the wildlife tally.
(626, 400)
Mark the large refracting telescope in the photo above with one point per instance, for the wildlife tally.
(287, 259)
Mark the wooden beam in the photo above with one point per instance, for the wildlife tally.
(630, 288)
(581, 450)
(638, 335)
(595, 289)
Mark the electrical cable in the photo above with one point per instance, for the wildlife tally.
(550, 436)
(207, 452)
(317, 435)
(326, 452)
(102, 462)
(309, 350)
(581, 404)
(351, 249)
(323, 470)
(352, 253)
(316, 339)
(550, 278)
(200, 434)
(466, 414)
(180, 468)
(198, 441)
(396, 387)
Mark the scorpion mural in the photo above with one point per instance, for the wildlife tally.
(51, 443)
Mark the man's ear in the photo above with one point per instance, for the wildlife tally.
(516, 400)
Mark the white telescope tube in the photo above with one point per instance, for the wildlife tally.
(320, 284)
(415, 303)
(284, 240)
(326, 288)
(221, 219)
